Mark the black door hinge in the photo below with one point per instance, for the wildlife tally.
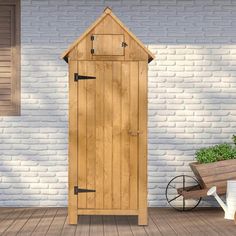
(92, 51)
(78, 190)
(83, 77)
(124, 44)
(92, 37)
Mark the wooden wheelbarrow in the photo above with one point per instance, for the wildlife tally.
(185, 192)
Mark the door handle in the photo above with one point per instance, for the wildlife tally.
(135, 133)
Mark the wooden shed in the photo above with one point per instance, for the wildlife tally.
(107, 121)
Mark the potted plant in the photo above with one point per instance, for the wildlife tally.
(215, 165)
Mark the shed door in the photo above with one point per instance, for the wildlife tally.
(107, 142)
(108, 44)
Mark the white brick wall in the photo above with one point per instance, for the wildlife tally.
(192, 90)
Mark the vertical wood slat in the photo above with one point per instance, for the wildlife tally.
(82, 134)
(72, 199)
(107, 155)
(133, 139)
(142, 143)
(91, 132)
(116, 136)
(107, 134)
(125, 184)
(99, 134)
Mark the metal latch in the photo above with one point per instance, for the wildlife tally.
(124, 44)
(78, 190)
(83, 77)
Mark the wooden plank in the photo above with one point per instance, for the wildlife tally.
(109, 226)
(73, 130)
(10, 219)
(99, 134)
(211, 227)
(142, 149)
(58, 222)
(68, 229)
(19, 222)
(45, 222)
(175, 223)
(123, 226)
(195, 193)
(81, 50)
(96, 227)
(108, 109)
(125, 155)
(91, 133)
(33, 221)
(116, 136)
(82, 135)
(218, 177)
(194, 226)
(5, 212)
(152, 229)
(133, 139)
(136, 230)
(83, 226)
(218, 170)
(107, 212)
(161, 223)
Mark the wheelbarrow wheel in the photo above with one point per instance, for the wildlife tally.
(174, 192)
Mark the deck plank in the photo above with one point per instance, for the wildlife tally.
(110, 226)
(83, 226)
(96, 226)
(135, 228)
(9, 220)
(162, 221)
(58, 222)
(68, 229)
(152, 229)
(19, 222)
(123, 226)
(45, 222)
(33, 221)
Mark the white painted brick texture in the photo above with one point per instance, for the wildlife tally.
(192, 91)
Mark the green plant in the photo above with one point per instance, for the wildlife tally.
(217, 152)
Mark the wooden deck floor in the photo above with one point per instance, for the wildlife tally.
(162, 221)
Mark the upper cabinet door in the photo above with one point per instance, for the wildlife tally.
(108, 45)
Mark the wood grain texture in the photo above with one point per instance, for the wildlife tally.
(73, 144)
(82, 134)
(116, 136)
(125, 125)
(91, 132)
(142, 152)
(133, 152)
(111, 120)
(109, 33)
(108, 109)
(99, 134)
(10, 58)
(162, 221)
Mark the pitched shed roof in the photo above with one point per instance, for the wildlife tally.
(105, 13)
